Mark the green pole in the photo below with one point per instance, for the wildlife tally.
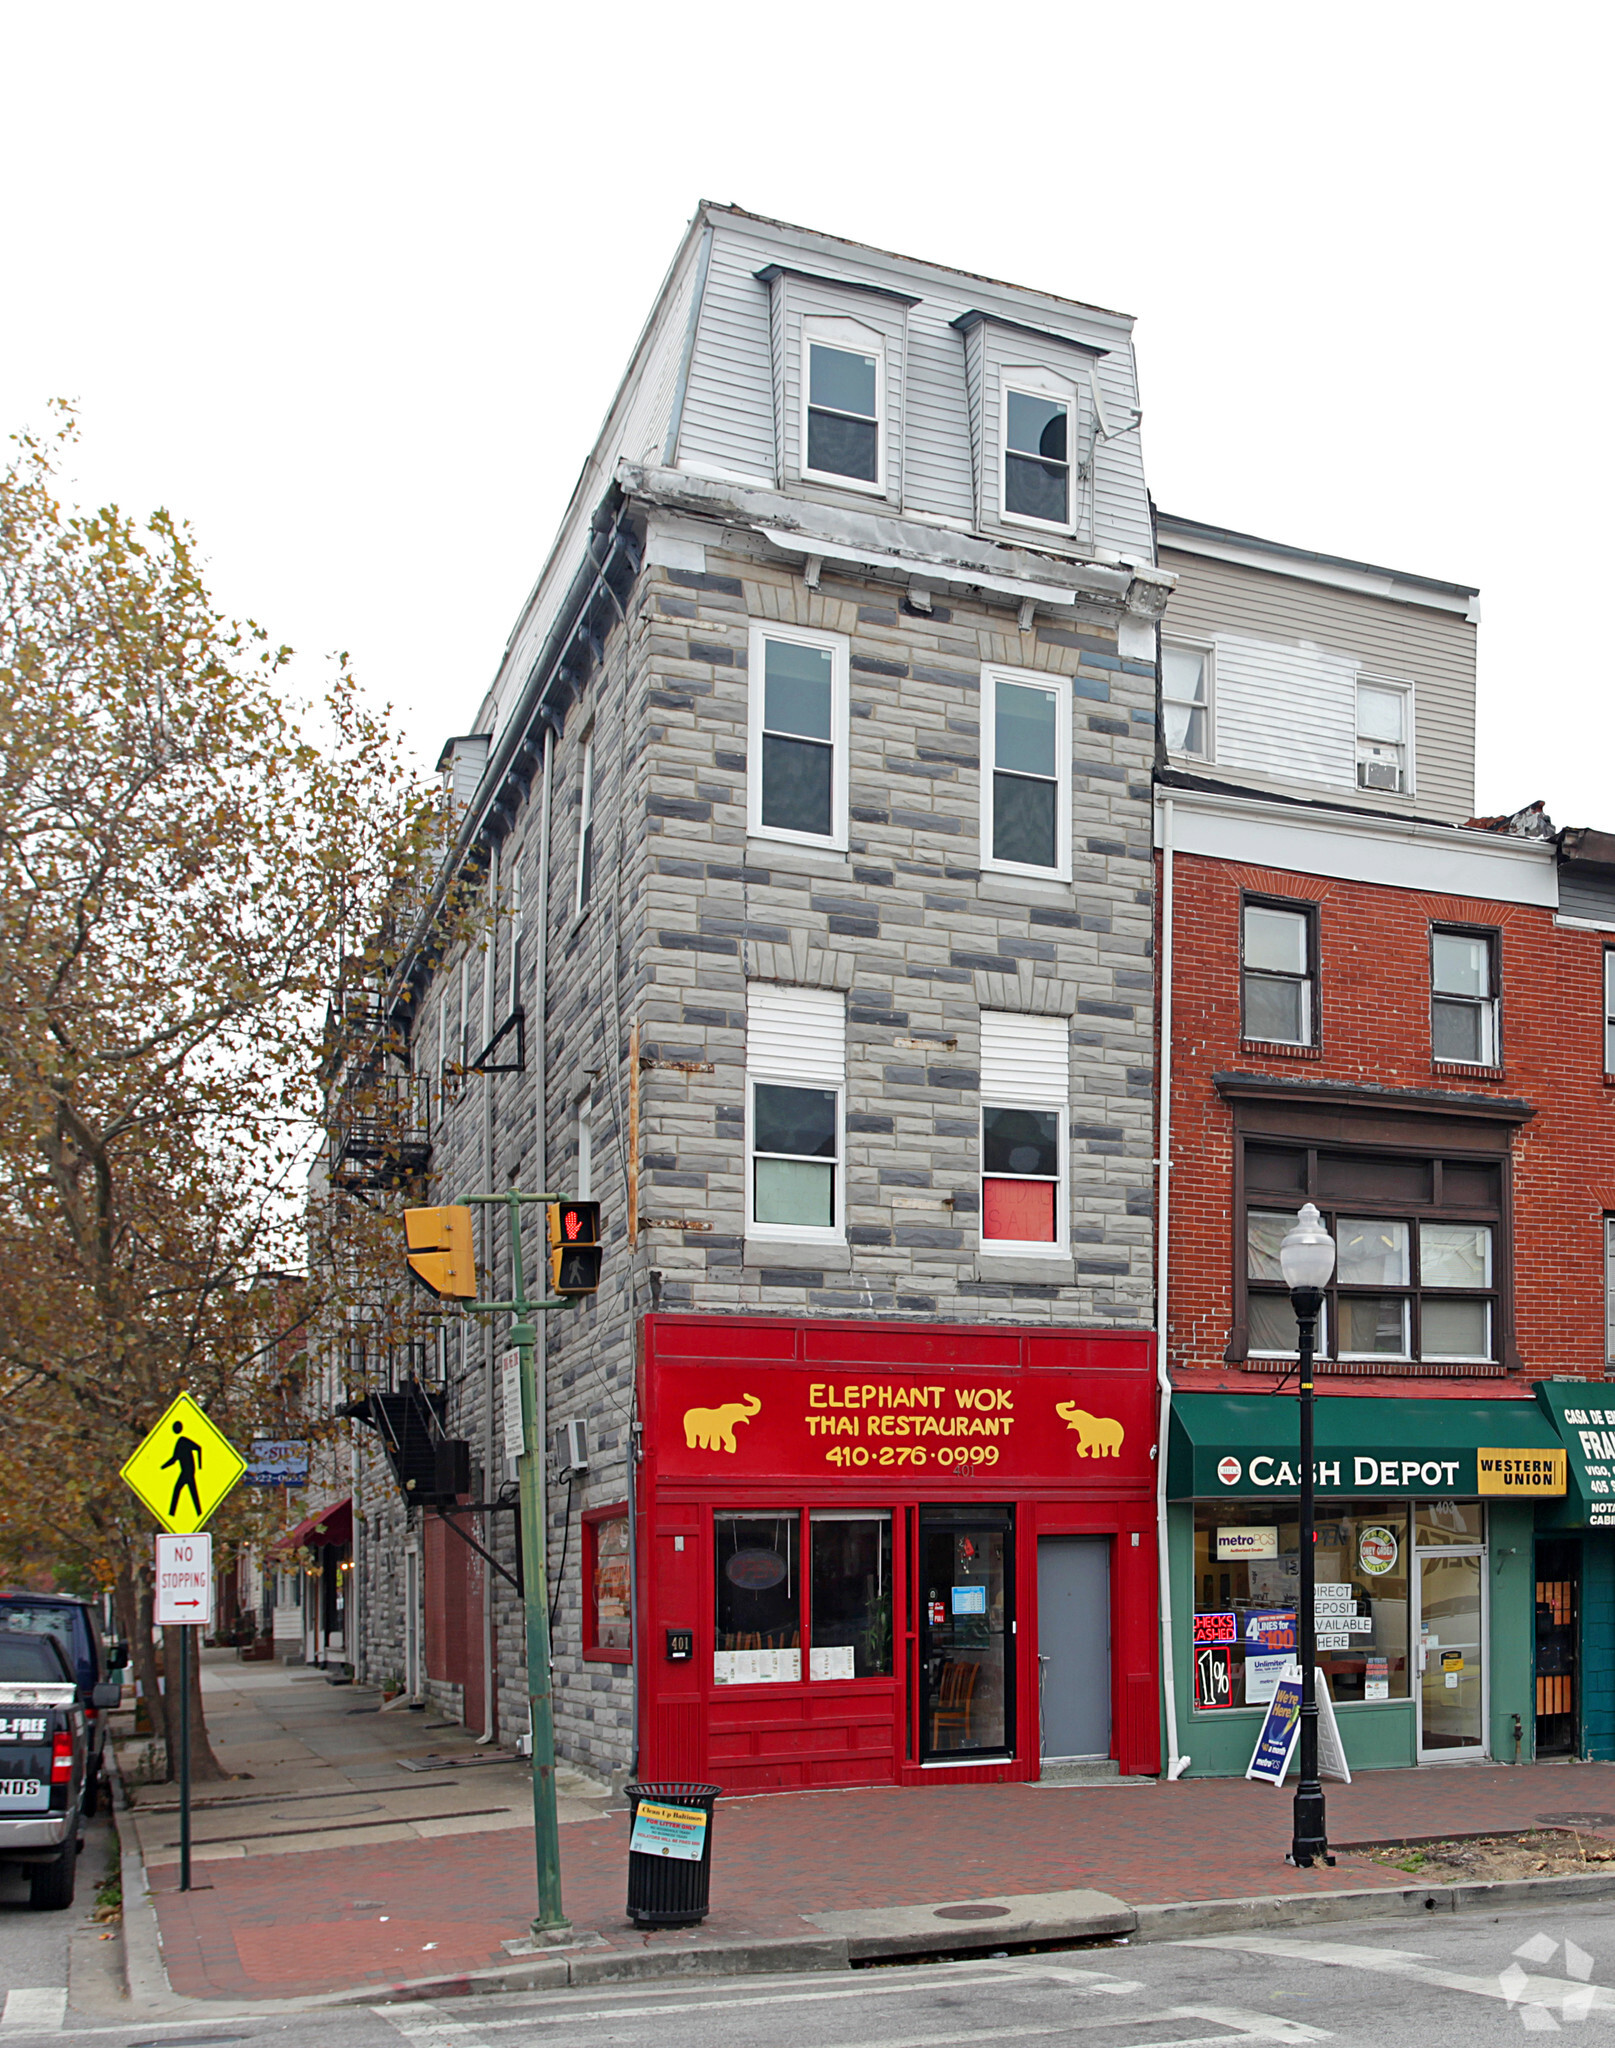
(551, 1923)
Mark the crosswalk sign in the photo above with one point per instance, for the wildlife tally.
(184, 1467)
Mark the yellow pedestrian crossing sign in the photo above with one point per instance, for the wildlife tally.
(184, 1468)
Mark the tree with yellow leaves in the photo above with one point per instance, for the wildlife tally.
(190, 860)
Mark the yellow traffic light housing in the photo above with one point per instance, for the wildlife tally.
(439, 1249)
(575, 1248)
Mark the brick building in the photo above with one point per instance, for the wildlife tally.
(1376, 1004)
(812, 800)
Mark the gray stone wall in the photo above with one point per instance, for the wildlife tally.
(683, 910)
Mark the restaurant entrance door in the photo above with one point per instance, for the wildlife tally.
(967, 1633)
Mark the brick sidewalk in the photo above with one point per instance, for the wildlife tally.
(286, 1926)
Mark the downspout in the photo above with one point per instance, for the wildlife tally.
(538, 1052)
(1177, 1764)
(490, 969)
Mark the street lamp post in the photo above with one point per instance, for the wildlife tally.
(1306, 1259)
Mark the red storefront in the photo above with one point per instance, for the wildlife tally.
(875, 1553)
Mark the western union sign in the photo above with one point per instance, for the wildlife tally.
(1519, 1472)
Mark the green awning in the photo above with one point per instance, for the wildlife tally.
(1248, 1446)
(1584, 1412)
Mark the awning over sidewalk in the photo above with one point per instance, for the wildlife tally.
(1244, 1445)
(328, 1525)
(1584, 1414)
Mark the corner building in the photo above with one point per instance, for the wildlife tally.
(813, 799)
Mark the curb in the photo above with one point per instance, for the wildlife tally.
(144, 1978)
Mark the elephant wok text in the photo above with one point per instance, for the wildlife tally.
(884, 1410)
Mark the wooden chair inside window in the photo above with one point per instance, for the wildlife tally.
(953, 1705)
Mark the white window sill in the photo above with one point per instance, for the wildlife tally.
(831, 1256)
(1050, 1269)
(788, 853)
(1045, 877)
(1016, 888)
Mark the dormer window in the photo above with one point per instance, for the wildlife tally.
(842, 431)
(1037, 456)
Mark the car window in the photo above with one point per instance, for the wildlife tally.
(29, 1658)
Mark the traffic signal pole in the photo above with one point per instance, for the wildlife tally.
(551, 1923)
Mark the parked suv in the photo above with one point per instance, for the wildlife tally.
(44, 1764)
(97, 1667)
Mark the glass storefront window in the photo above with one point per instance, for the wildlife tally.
(759, 1598)
(1437, 1523)
(609, 1590)
(850, 1577)
(1246, 1580)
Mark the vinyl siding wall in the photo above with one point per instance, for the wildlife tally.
(1282, 642)
(736, 384)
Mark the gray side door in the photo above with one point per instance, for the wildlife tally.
(1073, 1625)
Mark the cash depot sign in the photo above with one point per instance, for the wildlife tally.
(1525, 1472)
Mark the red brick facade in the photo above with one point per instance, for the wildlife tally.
(1374, 1028)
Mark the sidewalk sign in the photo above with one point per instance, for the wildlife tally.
(1331, 1750)
(184, 1582)
(1280, 1726)
(1275, 1744)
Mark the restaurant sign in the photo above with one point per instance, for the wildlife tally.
(727, 1421)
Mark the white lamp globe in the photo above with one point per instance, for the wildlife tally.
(1307, 1255)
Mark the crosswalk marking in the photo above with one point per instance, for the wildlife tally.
(1509, 1987)
(46, 2007)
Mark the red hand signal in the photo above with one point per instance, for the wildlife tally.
(570, 1222)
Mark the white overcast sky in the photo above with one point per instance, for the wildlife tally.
(350, 285)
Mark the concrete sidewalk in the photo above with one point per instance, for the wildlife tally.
(333, 1870)
(323, 1768)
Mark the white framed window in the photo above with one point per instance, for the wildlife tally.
(1037, 435)
(1609, 1289)
(1278, 973)
(585, 849)
(843, 405)
(1025, 1120)
(1463, 998)
(1384, 736)
(1609, 1009)
(796, 1067)
(1026, 773)
(518, 933)
(797, 759)
(1186, 698)
(584, 1172)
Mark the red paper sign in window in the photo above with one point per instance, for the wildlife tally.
(1022, 1210)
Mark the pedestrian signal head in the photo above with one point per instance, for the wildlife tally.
(575, 1249)
(438, 1247)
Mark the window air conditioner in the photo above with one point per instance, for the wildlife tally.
(1379, 775)
(572, 1447)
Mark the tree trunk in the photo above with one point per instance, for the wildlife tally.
(204, 1764)
(134, 1610)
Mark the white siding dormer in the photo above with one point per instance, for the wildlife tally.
(840, 352)
(1033, 429)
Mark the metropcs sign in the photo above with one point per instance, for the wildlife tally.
(1480, 1471)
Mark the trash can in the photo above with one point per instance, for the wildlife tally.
(669, 1853)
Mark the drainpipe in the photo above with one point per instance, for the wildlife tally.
(1176, 1763)
(538, 1053)
(490, 969)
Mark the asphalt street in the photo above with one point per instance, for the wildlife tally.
(1445, 1980)
(35, 1947)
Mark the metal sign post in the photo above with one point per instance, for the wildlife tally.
(183, 1582)
(205, 1465)
(550, 1924)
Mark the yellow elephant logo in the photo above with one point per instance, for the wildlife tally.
(1098, 1436)
(713, 1429)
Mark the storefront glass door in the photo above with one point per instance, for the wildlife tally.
(1451, 1673)
(967, 1666)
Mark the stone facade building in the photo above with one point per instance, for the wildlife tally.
(813, 803)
